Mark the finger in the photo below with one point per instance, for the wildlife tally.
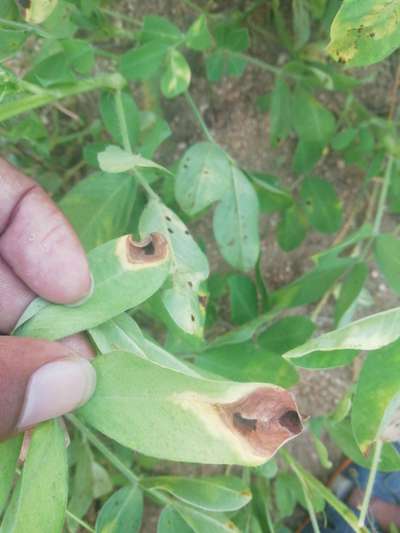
(15, 296)
(80, 344)
(37, 241)
(40, 380)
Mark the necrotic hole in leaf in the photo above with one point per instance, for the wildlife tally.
(266, 418)
(150, 250)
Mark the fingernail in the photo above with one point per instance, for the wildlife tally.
(88, 295)
(57, 388)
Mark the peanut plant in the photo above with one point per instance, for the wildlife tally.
(194, 366)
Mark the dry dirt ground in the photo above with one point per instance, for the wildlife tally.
(230, 111)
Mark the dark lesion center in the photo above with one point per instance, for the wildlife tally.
(149, 249)
(153, 248)
(291, 421)
(243, 423)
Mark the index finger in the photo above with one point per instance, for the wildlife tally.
(37, 241)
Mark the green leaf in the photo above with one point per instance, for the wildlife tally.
(235, 223)
(39, 10)
(321, 205)
(342, 435)
(42, 486)
(301, 23)
(370, 333)
(243, 298)
(310, 287)
(202, 522)
(198, 36)
(292, 228)
(375, 413)
(143, 62)
(218, 493)
(343, 139)
(286, 334)
(202, 177)
(231, 36)
(312, 121)
(109, 115)
(350, 289)
(248, 362)
(153, 132)
(11, 41)
(79, 54)
(306, 156)
(170, 521)
(177, 74)
(287, 493)
(122, 512)
(189, 266)
(161, 30)
(125, 274)
(9, 453)
(387, 253)
(100, 207)
(148, 407)
(365, 33)
(322, 360)
(122, 333)
(271, 195)
(82, 483)
(280, 116)
(114, 160)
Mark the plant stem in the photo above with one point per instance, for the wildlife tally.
(114, 460)
(382, 198)
(328, 495)
(33, 101)
(79, 521)
(126, 143)
(257, 62)
(23, 26)
(121, 16)
(198, 116)
(370, 484)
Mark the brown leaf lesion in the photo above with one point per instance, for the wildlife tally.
(139, 254)
(265, 418)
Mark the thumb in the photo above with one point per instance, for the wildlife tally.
(40, 380)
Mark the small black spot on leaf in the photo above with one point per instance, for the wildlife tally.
(170, 230)
(168, 218)
(187, 232)
(190, 284)
(192, 318)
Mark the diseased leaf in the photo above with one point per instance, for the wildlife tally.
(148, 407)
(177, 74)
(122, 512)
(202, 177)
(376, 402)
(100, 207)
(235, 223)
(39, 10)
(189, 266)
(365, 32)
(125, 274)
(218, 493)
(42, 486)
(198, 36)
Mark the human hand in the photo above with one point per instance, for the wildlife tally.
(39, 255)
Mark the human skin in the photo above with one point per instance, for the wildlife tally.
(40, 255)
